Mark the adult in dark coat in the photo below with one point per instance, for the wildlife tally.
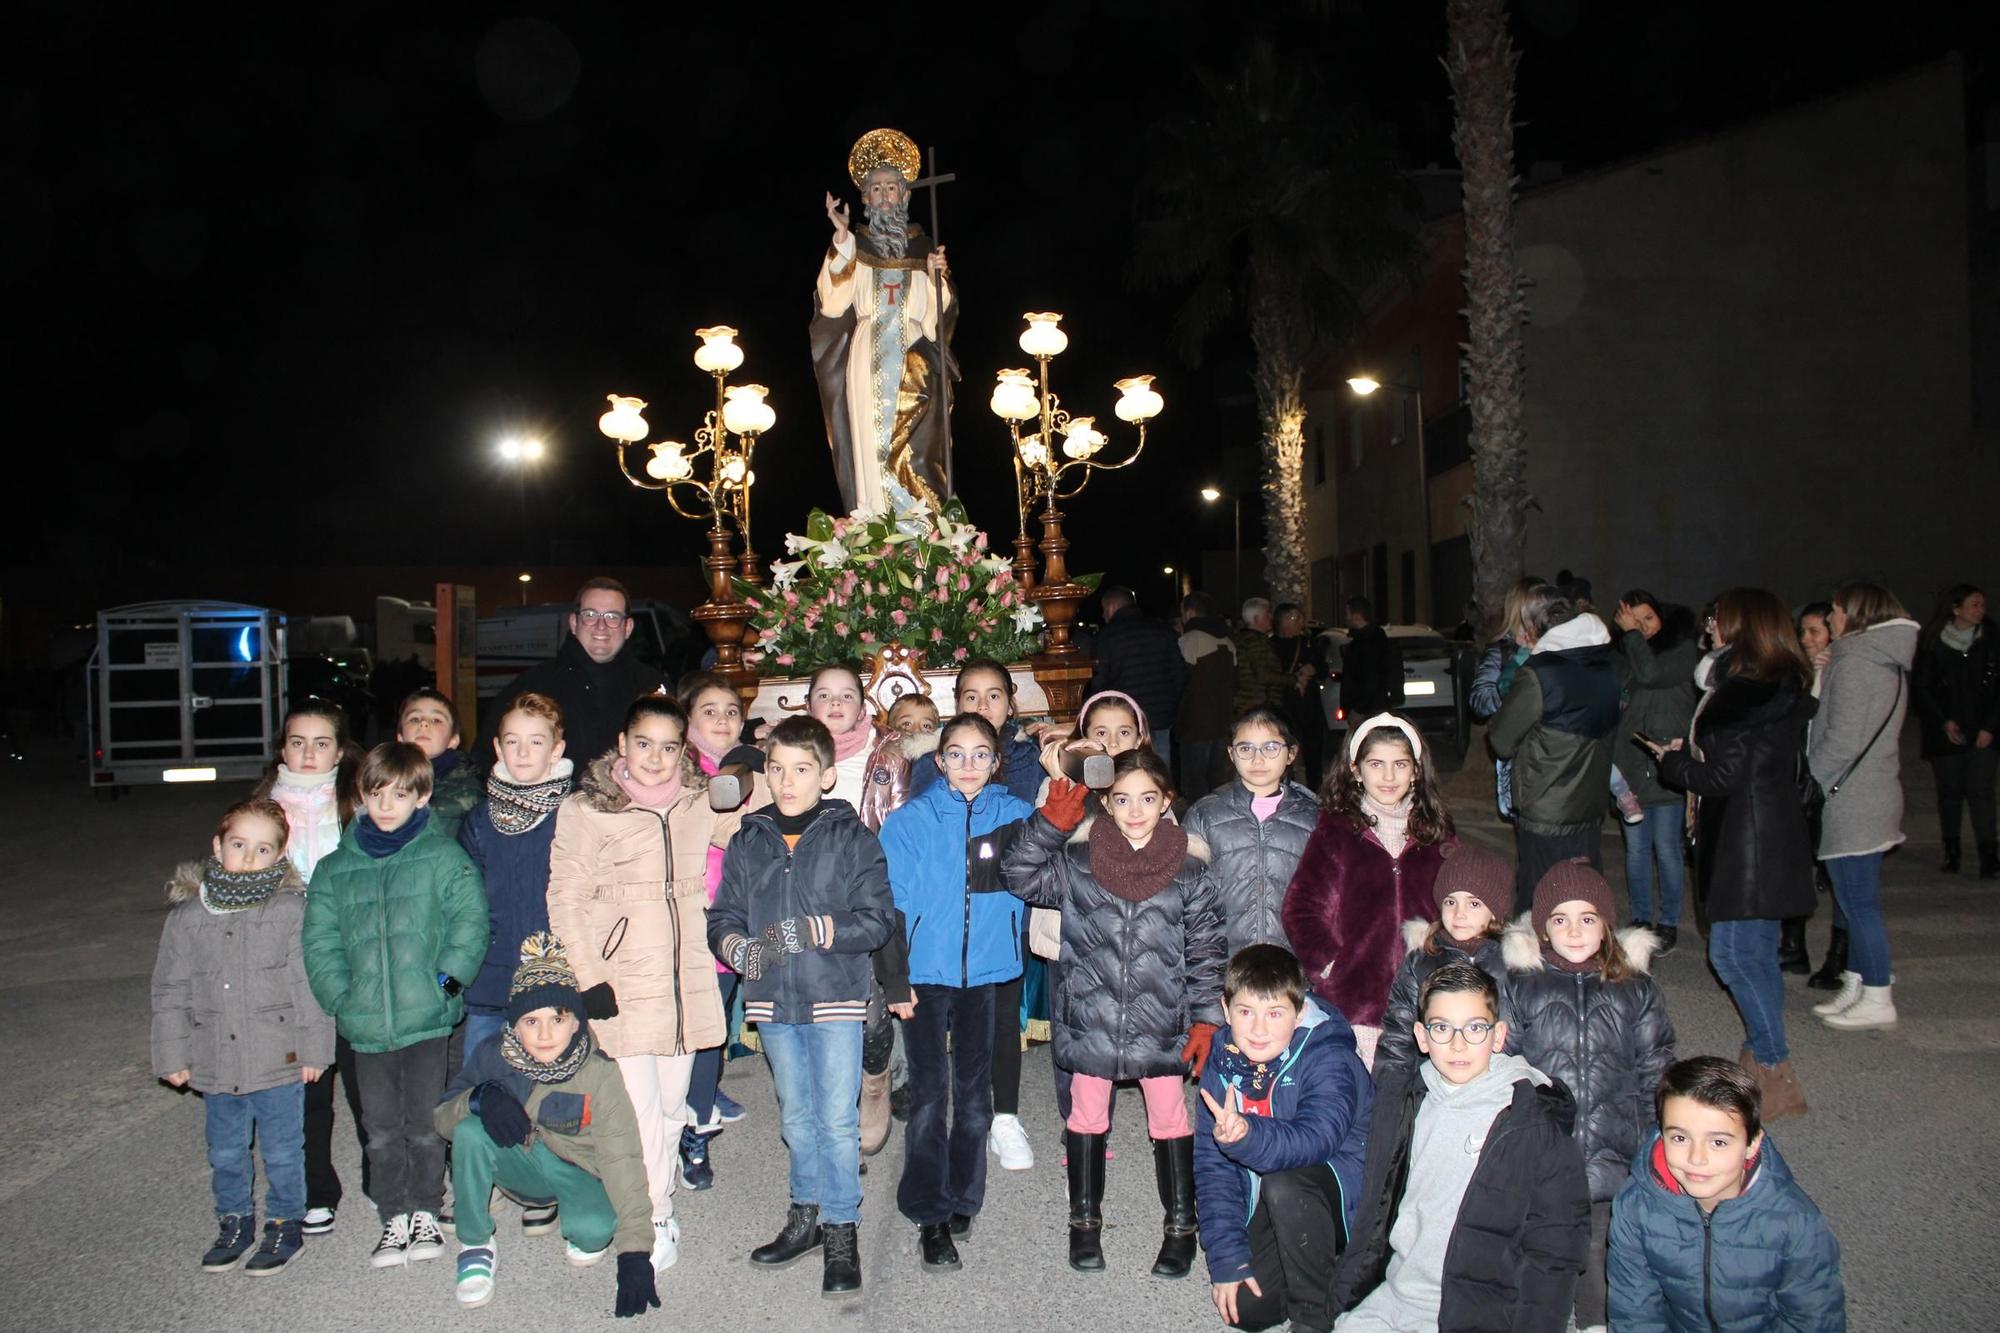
(1658, 647)
(1202, 727)
(1370, 681)
(1956, 684)
(1753, 854)
(1142, 658)
(591, 676)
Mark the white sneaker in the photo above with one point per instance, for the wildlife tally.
(666, 1244)
(475, 1275)
(1009, 1142)
(393, 1250)
(316, 1222)
(1849, 992)
(426, 1237)
(583, 1258)
(1875, 1009)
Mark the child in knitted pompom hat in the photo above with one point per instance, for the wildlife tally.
(542, 1113)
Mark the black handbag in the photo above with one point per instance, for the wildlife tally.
(1814, 797)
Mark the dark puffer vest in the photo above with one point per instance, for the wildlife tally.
(1134, 975)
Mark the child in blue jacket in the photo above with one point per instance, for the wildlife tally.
(1711, 1232)
(1281, 1139)
(964, 932)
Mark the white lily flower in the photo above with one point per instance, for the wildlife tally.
(833, 554)
(785, 572)
(1027, 618)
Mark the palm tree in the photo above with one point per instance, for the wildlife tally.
(1275, 206)
(1481, 62)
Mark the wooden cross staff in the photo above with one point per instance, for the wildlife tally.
(931, 183)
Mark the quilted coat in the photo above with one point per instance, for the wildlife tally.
(628, 897)
(1399, 1039)
(1252, 860)
(1134, 975)
(1344, 912)
(1608, 1042)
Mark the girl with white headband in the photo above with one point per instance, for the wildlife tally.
(1368, 867)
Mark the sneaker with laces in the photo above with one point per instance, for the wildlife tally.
(583, 1258)
(538, 1219)
(1009, 1142)
(475, 1276)
(426, 1237)
(696, 1171)
(282, 1243)
(317, 1222)
(393, 1250)
(666, 1244)
(727, 1107)
(237, 1234)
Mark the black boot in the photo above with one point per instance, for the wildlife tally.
(1173, 1164)
(1828, 976)
(801, 1236)
(934, 1244)
(1792, 955)
(1950, 866)
(842, 1273)
(1989, 859)
(1086, 1200)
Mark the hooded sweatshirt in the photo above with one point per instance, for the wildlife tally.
(1863, 696)
(1444, 1152)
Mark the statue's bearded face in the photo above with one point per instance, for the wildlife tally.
(885, 200)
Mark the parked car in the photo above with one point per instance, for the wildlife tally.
(1432, 676)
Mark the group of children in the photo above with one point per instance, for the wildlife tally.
(1412, 1114)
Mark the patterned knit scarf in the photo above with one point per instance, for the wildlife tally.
(559, 1070)
(516, 807)
(233, 891)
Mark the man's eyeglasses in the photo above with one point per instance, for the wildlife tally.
(1251, 749)
(590, 615)
(957, 758)
(1475, 1033)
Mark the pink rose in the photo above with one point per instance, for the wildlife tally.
(979, 542)
(940, 597)
(791, 599)
(1007, 597)
(840, 628)
(868, 636)
(959, 654)
(937, 636)
(943, 576)
(785, 659)
(899, 618)
(964, 583)
(909, 603)
(972, 607)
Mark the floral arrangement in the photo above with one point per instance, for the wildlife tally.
(899, 575)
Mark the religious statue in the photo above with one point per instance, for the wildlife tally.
(883, 314)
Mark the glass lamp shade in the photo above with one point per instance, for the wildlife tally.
(1081, 438)
(1033, 452)
(745, 412)
(1364, 384)
(1043, 337)
(718, 353)
(1139, 401)
(733, 470)
(668, 463)
(624, 422)
(1014, 397)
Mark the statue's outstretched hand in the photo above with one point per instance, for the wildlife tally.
(836, 213)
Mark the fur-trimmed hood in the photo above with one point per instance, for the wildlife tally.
(185, 882)
(1197, 845)
(1415, 931)
(600, 790)
(1523, 949)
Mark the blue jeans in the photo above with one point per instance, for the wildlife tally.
(1745, 955)
(278, 1117)
(479, 1026)
(817, 1070)
(1656, 840)
(1857, 887)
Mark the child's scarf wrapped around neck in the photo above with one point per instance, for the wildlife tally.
(652, 795)
(237, 890)
(1136, 873)
(559, 1070)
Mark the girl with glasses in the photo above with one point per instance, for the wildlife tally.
(628, 898)
(1256, 828)
(964, 936)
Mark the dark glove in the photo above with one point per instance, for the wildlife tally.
(636, 1289)
(752, 958)
(1064, 808)
(600, 1001)
(1195, 1054)
(505, 1119)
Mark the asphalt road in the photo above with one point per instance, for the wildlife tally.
(105, 1208)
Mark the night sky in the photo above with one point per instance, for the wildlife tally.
(280, 283)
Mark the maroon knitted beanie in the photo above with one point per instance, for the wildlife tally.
(1470, 868)
(1574, 880)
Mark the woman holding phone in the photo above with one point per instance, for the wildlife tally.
(1754, 856)
(1657, 651)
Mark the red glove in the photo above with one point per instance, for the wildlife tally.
(1195, 1054)
(1064, 808)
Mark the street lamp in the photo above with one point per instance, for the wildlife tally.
(525, 578)
(519, 453)
(1365, 384)
(1211, 494)
(728, 438)
(1064, 445)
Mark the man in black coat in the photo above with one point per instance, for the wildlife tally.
(1474, 1146)
(1370, 671)
(591, 677)
(1142, 658)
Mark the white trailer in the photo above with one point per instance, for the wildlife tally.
(185, 692)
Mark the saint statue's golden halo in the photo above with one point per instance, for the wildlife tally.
(884, 148)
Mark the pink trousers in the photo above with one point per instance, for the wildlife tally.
(1166, 1106)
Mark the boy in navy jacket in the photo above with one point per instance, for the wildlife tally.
(964, 930)
(1281, 1139)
